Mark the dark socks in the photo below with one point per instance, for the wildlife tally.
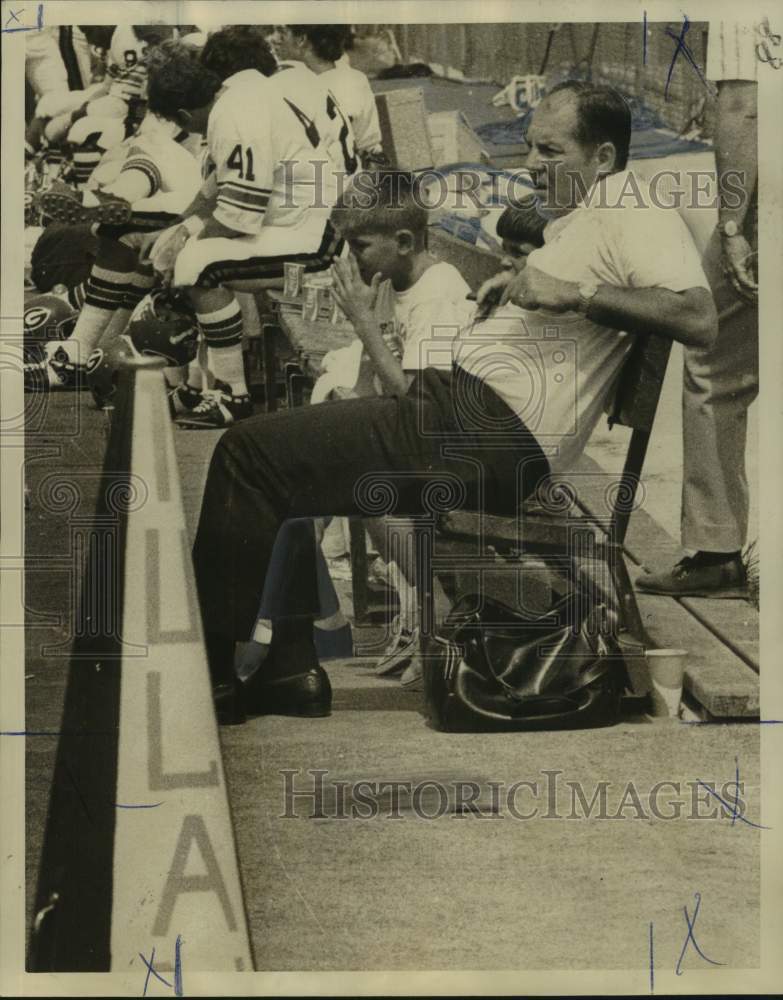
(292, 650)
(715, 558)
(220, 657)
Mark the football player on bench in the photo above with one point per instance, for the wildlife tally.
(141, 187)
(273, 138)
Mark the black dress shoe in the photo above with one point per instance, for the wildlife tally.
(306, 694)
(227, 699)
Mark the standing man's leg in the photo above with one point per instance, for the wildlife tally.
(719, 385)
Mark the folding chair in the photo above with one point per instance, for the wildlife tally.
(543, 529)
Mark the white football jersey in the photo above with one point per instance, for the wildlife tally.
(352, 90)
(272, 141)
(167, 157)
(340, 136)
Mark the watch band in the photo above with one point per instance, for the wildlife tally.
(587, 291)
(728, 228)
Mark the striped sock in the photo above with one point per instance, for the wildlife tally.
(104, 294)
(76, 295)
(222, 331)
(140, 284)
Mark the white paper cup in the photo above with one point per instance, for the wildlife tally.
(292, 279)
(311, 303)
(667, 670)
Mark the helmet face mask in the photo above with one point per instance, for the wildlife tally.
(163, 325)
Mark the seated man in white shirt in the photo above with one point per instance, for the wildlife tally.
(534, 375)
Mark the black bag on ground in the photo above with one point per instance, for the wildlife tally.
(495, 669)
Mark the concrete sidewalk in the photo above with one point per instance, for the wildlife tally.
(489, 891)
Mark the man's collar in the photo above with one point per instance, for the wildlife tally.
(241, 76)
(592, 198)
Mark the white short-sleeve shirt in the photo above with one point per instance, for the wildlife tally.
(429, 315)
(555, 371)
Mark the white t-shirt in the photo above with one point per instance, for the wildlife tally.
(268, 138)
(429, 315)
(555, 371)
(354, 95)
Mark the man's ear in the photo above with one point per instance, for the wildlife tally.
(406, 241)
(184, 117)
(607, 158)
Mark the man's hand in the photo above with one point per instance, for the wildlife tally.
(534, 289)
(737, 259)
(166, 249)
(491, 291)
(355, 298)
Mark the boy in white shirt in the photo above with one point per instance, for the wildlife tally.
(425, 307)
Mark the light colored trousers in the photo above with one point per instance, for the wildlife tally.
(719, 385)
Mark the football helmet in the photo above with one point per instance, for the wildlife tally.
(46, 317)
(102, 369)
(164, 325)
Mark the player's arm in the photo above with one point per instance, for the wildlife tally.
(139, 177)
(366, 127)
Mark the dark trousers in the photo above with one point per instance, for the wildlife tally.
(449, 443)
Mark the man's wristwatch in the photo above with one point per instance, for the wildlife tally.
(728, 229)
(586, 291)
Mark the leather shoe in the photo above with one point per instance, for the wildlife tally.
(306, 694)
(227, 699)
(693, 576)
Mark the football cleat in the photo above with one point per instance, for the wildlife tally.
(46, 317)
(163, 325)
(54, 371)
(62, 203)
(217, 409)
(183, 399)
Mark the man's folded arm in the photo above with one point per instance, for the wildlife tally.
(688, 316)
